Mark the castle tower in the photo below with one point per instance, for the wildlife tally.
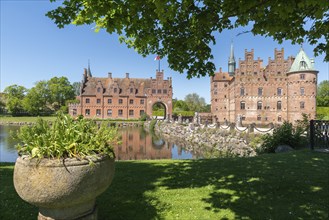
(231, 62)
(301, 88)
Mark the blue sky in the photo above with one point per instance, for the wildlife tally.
(34, 49)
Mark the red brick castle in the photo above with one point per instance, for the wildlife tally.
(122, 98)
(281, 90)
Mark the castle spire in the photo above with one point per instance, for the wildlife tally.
(231, 61)
(89, 72)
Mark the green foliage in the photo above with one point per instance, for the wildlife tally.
(322, 98)
(76, 88)
(152, 125)
(195, 102)
(13, 96)
(144, 117)
(322, 113)
(183, 113)
(284, 134)
(184, 31)
(66, 137)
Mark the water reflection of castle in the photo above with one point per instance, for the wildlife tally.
(138, 145)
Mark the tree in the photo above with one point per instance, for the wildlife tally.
(322, 97)
(60, 90)
(180, 105)
(36, 101)
(195, 102)
(183, 30)
(14, 95)
(76, 88)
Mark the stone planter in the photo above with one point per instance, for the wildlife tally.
(63, 189)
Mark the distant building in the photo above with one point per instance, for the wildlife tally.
(122, 98)
(253, 93)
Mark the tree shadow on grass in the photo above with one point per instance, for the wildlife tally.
(293, 186)
(290, 186)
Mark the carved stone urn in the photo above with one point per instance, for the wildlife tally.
(63, 188)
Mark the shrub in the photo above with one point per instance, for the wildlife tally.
(284, 134)
(67, 137)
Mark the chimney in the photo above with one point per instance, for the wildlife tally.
(127, 75)
(110, 75)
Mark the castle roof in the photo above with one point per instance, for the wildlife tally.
(302, 62)
(122, 83)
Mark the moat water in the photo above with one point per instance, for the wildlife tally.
(137, 144)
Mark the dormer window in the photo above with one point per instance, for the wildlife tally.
(98, 90)
(302, 76)
(131, 90)
(115, 90)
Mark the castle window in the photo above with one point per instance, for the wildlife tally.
(109, 112)
(259, 105)
(260, 91)
(98, 89)
(142, 101)
(302, 76)
(109, 101)
(98, 101)
(131, 112)
(242, 73)
(141, 112)
(120, 112)
(242, 105)
(159, 91)
(131, 90)
(302, 91)
(255, 73)
(87, 100)
(225, 85)
(131, 101)
(302, 105)
(259, 118)
(87, 112)
(279, 105)
(279, 91)
(279, 118)
(215, 92)
(120, 101)
(154, 91)
(115, 90)
(215, 85)
(225, 96)
(243, 118)
(265, 118)
(74, 111)
(164, 91)
(98, 112)
(242, 91)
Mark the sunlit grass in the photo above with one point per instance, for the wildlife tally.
(9, 119)
(292, 185)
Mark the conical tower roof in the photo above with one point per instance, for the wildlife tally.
(302, 62)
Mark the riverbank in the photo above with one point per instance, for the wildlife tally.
(207, 141)
(30, 120)
(292, 185)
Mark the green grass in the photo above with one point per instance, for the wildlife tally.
(9, 119)
(292, 185)
(323, 112)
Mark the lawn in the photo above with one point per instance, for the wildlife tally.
(27, 119)
(292, 185)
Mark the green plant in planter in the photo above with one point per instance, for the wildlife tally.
(67, 137)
